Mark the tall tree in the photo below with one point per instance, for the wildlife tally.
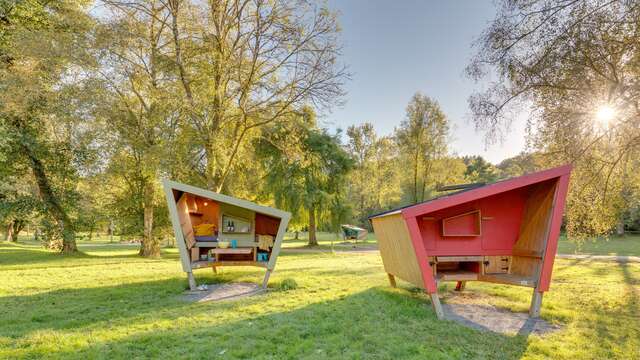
(36, 42)
(307, 173)
(246, 64)
(140, 109)
(422, 138)
(575, 64)
(361, 145)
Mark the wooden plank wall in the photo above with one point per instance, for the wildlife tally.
(534, 231)
(396, 248)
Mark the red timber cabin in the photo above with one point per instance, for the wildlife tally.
(505, 232)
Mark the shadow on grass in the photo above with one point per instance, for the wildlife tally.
(70, 309)
(374, 323)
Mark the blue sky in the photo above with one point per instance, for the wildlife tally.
(395, 48)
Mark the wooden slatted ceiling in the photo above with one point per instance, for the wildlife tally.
(396, 248)
(534, 231)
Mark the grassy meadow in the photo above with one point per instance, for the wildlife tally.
(107, 303)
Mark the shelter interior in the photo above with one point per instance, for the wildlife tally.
(217, 233)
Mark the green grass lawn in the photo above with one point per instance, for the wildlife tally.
(626, 245)
(109, 304)
(326, 239)
(615, 245)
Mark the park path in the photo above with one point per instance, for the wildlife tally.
(613, 258)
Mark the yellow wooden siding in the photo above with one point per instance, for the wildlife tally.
(396, 248)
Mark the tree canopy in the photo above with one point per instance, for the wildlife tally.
(573, 66)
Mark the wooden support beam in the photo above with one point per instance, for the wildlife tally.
(536, 304)
(437, 307)
(392, 280)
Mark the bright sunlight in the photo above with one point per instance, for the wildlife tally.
(605, 114)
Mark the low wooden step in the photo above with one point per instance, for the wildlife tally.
(223, 251)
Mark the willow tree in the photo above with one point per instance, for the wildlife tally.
(575, 65)
(306, 174)
(246, 64)
(38, 42)
(422, 140)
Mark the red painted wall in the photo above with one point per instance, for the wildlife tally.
(498, 233)
(266, 225)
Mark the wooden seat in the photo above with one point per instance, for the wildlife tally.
(458, 258)
(206, 244)
(232, 251)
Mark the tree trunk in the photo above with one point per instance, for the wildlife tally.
(18, 226)
(52, 204)
(9, 234)
(110, 230)
(150, 246)
(313, 241)
(91, 231)
(296, 235)
(620, 229)
(415, 179)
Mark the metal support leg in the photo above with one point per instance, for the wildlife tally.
(437, 307)
(266, 279)
(536, 304)
(192, 281)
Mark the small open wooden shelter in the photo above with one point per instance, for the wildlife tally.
(352, 232)
(505, 232)
(214, 230)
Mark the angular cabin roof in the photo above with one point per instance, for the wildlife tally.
(266, 210)
(475, 193)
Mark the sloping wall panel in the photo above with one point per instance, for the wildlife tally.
(396, 248)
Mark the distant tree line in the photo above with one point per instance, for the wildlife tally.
(101, 100)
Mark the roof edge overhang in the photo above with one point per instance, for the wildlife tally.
(266, 210)
(486, 191)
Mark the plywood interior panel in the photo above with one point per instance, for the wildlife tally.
(204, 211)
(534, 230)
(396, 248)
(244, 239)
(185, 221)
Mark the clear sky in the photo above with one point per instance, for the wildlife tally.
(395, 48)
